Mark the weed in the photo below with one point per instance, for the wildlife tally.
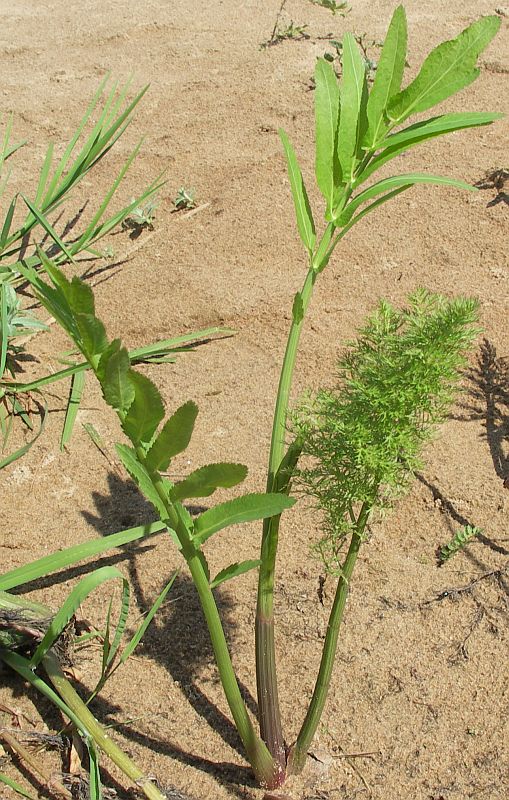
(332, 6)
(184, 199)
(460, 539)
(141, 217)
(404, 365)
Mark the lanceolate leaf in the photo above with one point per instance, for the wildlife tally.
(448, 68)
(241, 509)
(173, 438)
(353, 94)
(415, 134)
(204, 481)
(239, 568)
(327, 169)
(392, 183)
(389, 73)
(73, 404)
(303, 213)
(117, 386)
(145, 412)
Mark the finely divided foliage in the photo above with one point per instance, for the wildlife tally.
(404, 365)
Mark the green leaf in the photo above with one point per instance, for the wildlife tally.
(118, 388)
(388, 76)
(140, 632)
(420, 132)
(305, 223)
(4, 335)
(204, 481)
(94, 786)
(73, 404)
(146, 410)
(328, 174)
(173, 438)
(239, 568)
(93, 336)
(16, 786)
(81, 297)
(41, 219)
(141, 477)
(353, 98)
(69, 606)
(392, 183)
(47, 565)
(242, 509)
(448, 68)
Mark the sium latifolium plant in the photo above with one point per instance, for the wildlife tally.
(358, 131)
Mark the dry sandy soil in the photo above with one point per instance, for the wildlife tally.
(421, 681)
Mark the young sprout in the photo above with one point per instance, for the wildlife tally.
(184, 199)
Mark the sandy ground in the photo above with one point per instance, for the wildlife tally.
(421, 682)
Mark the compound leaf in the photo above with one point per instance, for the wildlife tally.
(242, 509)
(173, 438)
(204, 481)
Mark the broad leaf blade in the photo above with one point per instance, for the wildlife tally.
(146, 410)
(173, 438)
(353, 98)
(389, 73)
(305, 223)
(388, 184)
(448, 69)
(400, 142)
(239, 568)
(118, 388)
(327, 170)
(204, 481)
(241, 509)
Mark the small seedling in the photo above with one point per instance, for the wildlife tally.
(184, 199)
(331, 5)
(460, 539)
(282, 31)
(141, 217)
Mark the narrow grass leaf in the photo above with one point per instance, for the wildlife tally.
(388, 76)
(305, 223)
(145, 411)
(43, 176)
(353, 100)
(448, 69)
(122, 622)
(242, 509)
(141, 477)
(12, 784)
(138, 636)
(73, 404)
(173, 438)
(43, 221)
(391, 183)
(327, 169)
(21, 451)
(50, 564)
(69, 606)
(233, 571)
(6, 227)
(94, 788)
(4, 330)
(204, 481)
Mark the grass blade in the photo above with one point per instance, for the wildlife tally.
(16, 786)
(73, 404)
(146, 622)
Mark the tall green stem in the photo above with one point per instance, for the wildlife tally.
(266, 678)
(298, 753)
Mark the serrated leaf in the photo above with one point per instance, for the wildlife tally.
(388, 76)
(141, 477)
(448, 69)
(388, 184)
(400, 142)
(242, 509)
(327, 169)
(173, 438)
(81, 297)
(233, 571)
(204, 481)
(93, 336)
(305, 223)
(353, 99)
(118, 388)
(145, 412)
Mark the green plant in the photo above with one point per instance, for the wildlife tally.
(184, 199)
(460, 539)
(366, 45)
(332, 6)
(355, 136)
(141, 217)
